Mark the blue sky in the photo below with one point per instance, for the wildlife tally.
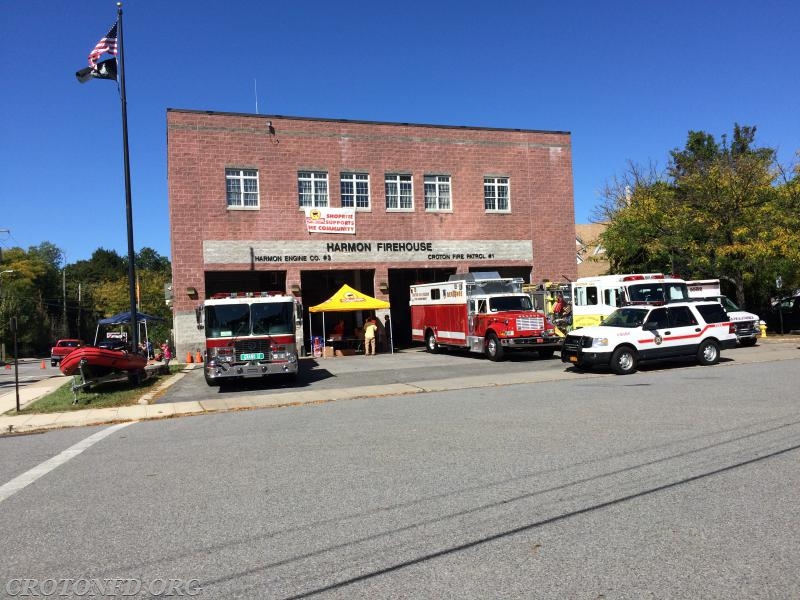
(627, 79)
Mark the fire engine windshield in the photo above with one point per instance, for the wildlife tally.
(657, 292)
(626, 317)
(245, 319)
(271, 318)
(503, 303)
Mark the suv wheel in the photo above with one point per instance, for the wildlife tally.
(708, 353)
(623, 361)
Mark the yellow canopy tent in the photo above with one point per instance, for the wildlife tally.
(345, 300)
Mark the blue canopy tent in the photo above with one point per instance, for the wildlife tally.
(124, 318)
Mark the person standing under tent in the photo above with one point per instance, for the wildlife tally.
(387, 327)
(370, 331)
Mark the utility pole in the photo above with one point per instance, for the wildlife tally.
(64, 296)
(78, 323)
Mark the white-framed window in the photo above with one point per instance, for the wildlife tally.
(437, 192)
(355, 190)
(399, 192)
(312, 188)
(496, 196)
(241, 188)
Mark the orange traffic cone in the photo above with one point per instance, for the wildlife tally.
(43, 365)
(188, 357)
(198, 358)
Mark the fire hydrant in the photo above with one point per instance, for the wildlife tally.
(763, 327)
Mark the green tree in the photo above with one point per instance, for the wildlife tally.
(102, 266)
(148, 259)
(722, 210)
(26, 292)
(41, 289)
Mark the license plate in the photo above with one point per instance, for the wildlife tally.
(539, 341)
(573, 359)
(253, 356)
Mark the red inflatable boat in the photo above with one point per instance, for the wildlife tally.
(101, 361)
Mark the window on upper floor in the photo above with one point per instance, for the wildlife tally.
(437, 192)
(242, 188)
(355, 190)
(399, 192)
(496, 196)
(312, 189)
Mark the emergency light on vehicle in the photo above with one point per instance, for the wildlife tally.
(220, 295)
(643, 277)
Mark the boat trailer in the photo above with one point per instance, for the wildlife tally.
(83, 381)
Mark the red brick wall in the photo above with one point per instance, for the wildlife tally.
(201, 145)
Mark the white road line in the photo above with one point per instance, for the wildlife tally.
(28, 477)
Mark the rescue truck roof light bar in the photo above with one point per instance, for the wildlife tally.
(643, 277)
(220, 295)
(487, 282)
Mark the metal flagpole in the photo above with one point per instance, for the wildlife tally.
(128, 206)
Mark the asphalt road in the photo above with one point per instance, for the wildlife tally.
(674, 482)
(29, 371)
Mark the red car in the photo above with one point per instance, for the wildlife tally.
(62, 348)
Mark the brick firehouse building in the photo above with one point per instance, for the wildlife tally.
(304, 205)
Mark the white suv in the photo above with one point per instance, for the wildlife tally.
(635, 334)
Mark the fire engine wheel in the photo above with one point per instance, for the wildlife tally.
(431, 345)
(623, 361)
(494, 350)
(708, 353)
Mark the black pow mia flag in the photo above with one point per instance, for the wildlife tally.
(106, 69)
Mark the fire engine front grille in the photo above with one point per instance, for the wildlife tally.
(251, 347)
(530, 323)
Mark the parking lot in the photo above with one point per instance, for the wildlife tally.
(415, 367)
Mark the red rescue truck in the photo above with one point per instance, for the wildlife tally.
(249, 334)
(481, 312)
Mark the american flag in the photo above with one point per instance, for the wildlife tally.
(106, 44)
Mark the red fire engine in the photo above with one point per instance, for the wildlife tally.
(482, 312)
(249, 334)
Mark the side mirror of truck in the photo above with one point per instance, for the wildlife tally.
(198, 315)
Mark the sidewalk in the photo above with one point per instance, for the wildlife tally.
(771, 348)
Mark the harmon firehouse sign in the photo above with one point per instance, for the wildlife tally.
(299, 251)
